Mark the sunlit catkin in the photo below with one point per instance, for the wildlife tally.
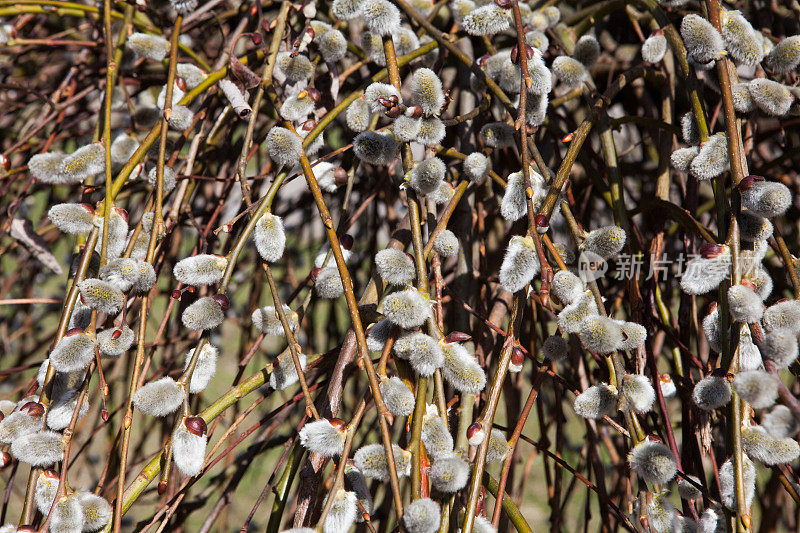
(605, 242)
(449, 474)
(46, 490)
(205, 313)
(569, 71)
(571, 318)
(757, 388)
(296, 67)
(741, 41)
(781, 423)
(284, 373)
(73, 352)
(600, 334)
(46, 167)
(343, 512)
(97, 512)
(422, 351)
(394, 266)
(422, 516)
(284, 146)
(587, 50)
(744, 304)
(461, 369)
(427, 175)
(766, 198)
(332, 45)
(766, 449)
(202, 269)
(596, 402)
(407, 308)
(397, 396)
(377, 93)
(189, 442)
(328, 284)
(682, 158)
(780, 347)
(437, 440)
(520, 264)
(431, 131)
(446, 244)
(67, 515)
(204, 369)
(39, 449)
(486, 20)
(703, 42)
(426, 91)
(375, 148)
(654, 48)
(567, 287)
(83, 163)
(653, 462)
(372, 462)
(159, 398)
(381, 16)
(269, 237)
(783, 315)
(785, 56)
(148, 46)
(638, 393)
(325, 437)
(497, 448)
(770, 97)
(742, 100)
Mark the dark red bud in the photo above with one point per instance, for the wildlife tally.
(314, 273)
(340, 176)
(458, 336)
(567, 138)
(73, 331)
(162, 487)
(2, 416)
(314, 94)
(710, 251)
(346, 241)
(256, 38)
(338, 423)
(749, 284)
(505, 4)
(309, 124)
(33, 409)
(387, 102)
(5, 162)
(195, 425)
(5, 460)
(473, 429)
(176, 294)
(665, 378)
(52, 474)
(181, 83)
(222, 300)
(518, 357)
(414, 111)
(393, 112)
(104, 415)
(542, 221)
(310, 32)
(515, 53)
(123, 213)
(749, 182)
(117, 334)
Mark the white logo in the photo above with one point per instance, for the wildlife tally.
(591, 266)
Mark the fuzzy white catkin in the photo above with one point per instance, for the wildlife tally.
(571, 318)
(477, 166)
(703, 275)
(372, 462)
(332, 45)
(449, 474)
(600, 334)
(346, 9)
(446, 244)
(422, 516)
(295, 68)
(67, 515)
(661, 515)
(121, 272)
(770, 96)
(381, 16)
(520, 264)
(780, 347)
(538, 40)
(486, 20)
(192, 75)
(514, 204)
(284, 373)
(653, 462)
(83, 163)
(497, 448)
(377, 91)
(60, 411)
(711, 392)
(375, 148)
(320, 436)
(17, 424)
(767, 199)
(757, 388)
(569, 71)
(781, 423)
(689, 130)
(431, 131)
(785, 56)
(754, 227)
(284, 146)
(437, 440)
(266, 320)
(203, 314)
(343, 512)
(296, 109)
(378, 334)
(356, 482)
(270, 237)
(727, 485)
(357, 115)
(328, 284)
(407, 309)
(159, 398)
(703, 42)
(204, 369)
(96, 510)
(687, 490)
(46, 490)
(394, 266)
(461, 370)
(638, 392)
(567, 287)
(180, 119)
(761, 446)
(406, 128)
(188, 450)
(426, 91)
(745, 305)
(481, 524)
(398, 397)
(202, 269)
(596, 402)
(633, 335)
(605, 242)
(38, 449)
(742, 100)
(654, 48)
(427, 175)
(73, 352)
(46, 167)
(148, 46)
(741, 40)
(682, 158)
(783, 315)
(422, 351)
(497, 135)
